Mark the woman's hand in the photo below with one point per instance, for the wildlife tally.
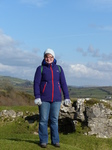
(67, 102)
(38, 101)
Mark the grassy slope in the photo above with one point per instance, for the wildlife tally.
(14, 91)
(16, 83)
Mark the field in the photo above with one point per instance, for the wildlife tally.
(19, 135)
(90, 92)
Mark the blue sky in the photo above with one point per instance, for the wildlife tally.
(79, 31)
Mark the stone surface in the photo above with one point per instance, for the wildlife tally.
(98, 117)
(66, 119)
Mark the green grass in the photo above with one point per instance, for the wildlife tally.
(19, 135)
(11, 139)
(20, 108)
(91, 92)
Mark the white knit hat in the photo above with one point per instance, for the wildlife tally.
(49, 51)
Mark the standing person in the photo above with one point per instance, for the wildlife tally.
(49, 79)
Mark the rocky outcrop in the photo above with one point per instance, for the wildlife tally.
(9, 115)
(97, 117)
(67, 119)
(99, 120)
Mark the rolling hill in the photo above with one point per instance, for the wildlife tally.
(15, 91)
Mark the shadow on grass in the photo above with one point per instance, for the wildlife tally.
(20, 140)
(29, 141)
(33, 118)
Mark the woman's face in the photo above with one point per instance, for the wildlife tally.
(49, 58)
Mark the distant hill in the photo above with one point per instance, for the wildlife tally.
(90, 92)
(17, 83)
(15, 91)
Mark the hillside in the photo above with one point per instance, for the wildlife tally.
(91, 92)
(15, 91)
(16, 83)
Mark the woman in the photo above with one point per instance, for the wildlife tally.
(48, 81)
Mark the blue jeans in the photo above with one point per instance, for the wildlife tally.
(49, 111)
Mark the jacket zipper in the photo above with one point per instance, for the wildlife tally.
(52, 83)
(44, 87)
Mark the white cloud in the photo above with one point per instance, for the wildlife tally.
(80, 50)
(17, 71)
(92, 52)
(15, 61)
(5, 40)
(80, 70)
(89, 74)
(22, 64)
(5, 68)
(105, 67)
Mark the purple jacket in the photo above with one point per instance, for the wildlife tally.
(49, 83)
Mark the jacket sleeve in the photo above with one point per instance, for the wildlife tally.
(37, 81)
(64, 85)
